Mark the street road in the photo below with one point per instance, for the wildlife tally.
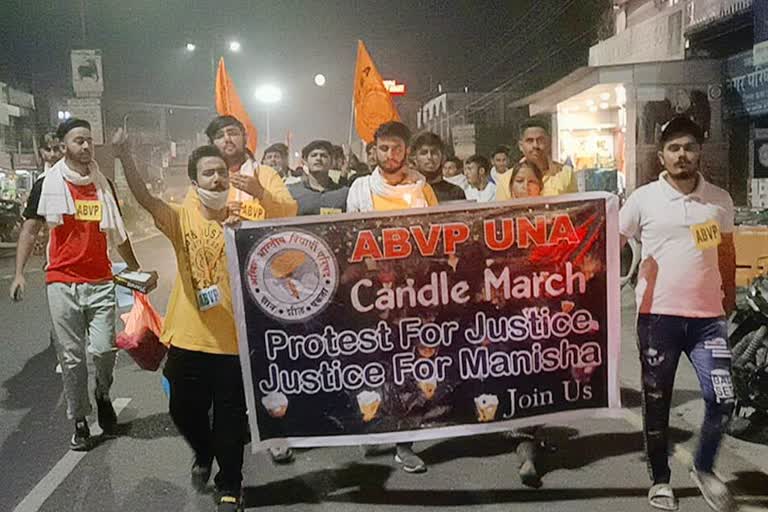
(598, 465)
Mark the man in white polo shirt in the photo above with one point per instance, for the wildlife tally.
(686, 286)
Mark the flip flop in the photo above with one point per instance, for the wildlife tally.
(662, 497)
(714, 491)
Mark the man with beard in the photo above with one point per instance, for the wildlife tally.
(536, 145)
(317, 193)
(258, 188)
(81, 209)
(393, 186)
(203, 366)
(427, 152)
(685, 289)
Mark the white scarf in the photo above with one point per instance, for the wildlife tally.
(459, 180)
(411, 190)
(56, 199)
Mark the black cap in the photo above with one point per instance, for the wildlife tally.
(69, 125)
(681, 125)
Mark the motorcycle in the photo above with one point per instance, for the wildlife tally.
(748, 338)
(10, 220)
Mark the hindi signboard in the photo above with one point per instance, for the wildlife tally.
(429, 323)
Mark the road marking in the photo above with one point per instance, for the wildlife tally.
(50, 482)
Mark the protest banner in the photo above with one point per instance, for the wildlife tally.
(428, 323)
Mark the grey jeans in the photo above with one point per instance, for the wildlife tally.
(83, 317)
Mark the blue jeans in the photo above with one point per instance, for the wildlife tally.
(661, 341)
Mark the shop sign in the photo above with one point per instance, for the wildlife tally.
(746, 87)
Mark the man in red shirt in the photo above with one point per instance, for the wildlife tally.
(80, 207)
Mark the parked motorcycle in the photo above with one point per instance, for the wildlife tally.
(10, 220)
(748, 338)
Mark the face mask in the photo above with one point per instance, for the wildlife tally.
(213, 200)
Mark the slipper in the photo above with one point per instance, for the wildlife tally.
(714, 491)
(662, 497)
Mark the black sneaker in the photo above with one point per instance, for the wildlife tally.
(228, 503)
(106, 415)
(81, 439)
(200, 474)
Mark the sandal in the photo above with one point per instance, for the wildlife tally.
(714, 491)
(662, 497)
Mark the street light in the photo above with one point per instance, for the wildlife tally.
(233, 46)
(268, 94)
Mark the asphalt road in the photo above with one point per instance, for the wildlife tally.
(598, 465)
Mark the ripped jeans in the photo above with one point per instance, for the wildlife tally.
(661, 341)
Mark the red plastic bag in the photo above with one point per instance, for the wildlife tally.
(141, 336)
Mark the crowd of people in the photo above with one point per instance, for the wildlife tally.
(684, 290)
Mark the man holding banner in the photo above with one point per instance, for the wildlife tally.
(258, 188)
(202, 368)
(686, 285)
(392, 186)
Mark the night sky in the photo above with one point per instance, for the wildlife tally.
(476, 43)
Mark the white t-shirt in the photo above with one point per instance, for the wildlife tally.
(679, 273)
(486, 195)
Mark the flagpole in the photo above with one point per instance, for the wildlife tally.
(351, 122)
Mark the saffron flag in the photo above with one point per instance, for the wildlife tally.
(373, 104)
(228, 103)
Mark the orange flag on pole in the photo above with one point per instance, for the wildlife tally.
(228, 103)
(373, 104)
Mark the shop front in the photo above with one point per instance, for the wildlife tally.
(606, 120)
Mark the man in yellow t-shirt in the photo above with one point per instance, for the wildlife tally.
(203, 366)
(536, 146)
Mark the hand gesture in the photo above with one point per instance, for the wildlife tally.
(233, 214)
(120, 142)
(248, 184)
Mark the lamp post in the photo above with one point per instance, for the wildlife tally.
(268, 94)
(233, 46)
